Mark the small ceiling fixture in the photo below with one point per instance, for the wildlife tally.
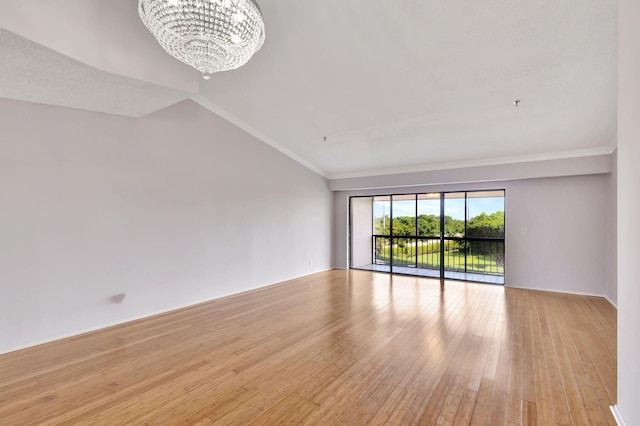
(209, 35)
(516, 102)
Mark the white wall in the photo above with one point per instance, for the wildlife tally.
(173, 209)
(565, 248)
(361, 230)
(612, 231)
(339, 234)
(628, 211)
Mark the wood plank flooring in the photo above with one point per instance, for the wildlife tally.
(338, 347)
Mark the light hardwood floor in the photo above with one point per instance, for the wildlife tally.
(338, 347)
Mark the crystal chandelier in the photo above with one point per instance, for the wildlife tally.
(209, 35)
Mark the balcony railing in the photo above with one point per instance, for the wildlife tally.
(476, 255)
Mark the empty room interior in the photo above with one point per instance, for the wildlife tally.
(365, 212)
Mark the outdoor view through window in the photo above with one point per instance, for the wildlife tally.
(453, 235)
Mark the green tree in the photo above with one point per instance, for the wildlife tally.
(404, 225)
(486, 226)
(453, 227)
(429, 225)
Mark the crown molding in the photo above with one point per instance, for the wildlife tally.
(560, 155)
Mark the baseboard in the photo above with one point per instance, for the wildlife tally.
(577, 293)
(97, 328)
(617, 415)
(151, 314)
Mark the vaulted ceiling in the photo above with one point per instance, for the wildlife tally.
(349, 88)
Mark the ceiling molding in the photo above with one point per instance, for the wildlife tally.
(603, 150)
(573, 166)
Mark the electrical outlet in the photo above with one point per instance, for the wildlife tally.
(310, 262)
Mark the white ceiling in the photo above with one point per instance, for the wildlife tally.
(397, 86)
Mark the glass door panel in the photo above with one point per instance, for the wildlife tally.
(403, 219)
(428, 232)
(452, 255)
(485, 232)
(381, 230)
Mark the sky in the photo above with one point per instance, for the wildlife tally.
(453, 207)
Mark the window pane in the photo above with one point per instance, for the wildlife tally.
(485, 213)
(454, 214)
(404, 215)
(381, 215)
(429, 214)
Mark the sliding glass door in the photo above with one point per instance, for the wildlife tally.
(429, 231)
(485, 232)
(456, 235)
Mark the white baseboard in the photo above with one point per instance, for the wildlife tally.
(552, 290)
(617, 415)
